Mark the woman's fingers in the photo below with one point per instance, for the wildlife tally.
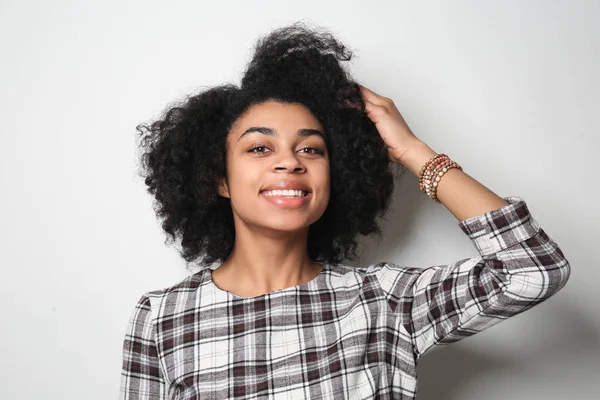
(371, 96)
(373, 110)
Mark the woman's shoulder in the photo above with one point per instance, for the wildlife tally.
(180, 289)
(380, 272)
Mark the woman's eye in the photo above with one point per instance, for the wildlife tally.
(314, 151)
(259, 148)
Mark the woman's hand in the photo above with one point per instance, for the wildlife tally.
(390, 124)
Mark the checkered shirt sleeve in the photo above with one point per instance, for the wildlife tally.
(518, 267)
(142, 376)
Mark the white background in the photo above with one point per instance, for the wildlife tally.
(509, 89)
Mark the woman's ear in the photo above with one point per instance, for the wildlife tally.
(223, 189)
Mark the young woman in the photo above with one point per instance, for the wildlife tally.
(273, 181)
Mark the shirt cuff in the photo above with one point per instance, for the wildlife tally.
(499, 229)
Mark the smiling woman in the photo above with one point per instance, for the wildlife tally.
(274, 181)
(287, 113)
(282, 164)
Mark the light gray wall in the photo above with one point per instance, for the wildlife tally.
(509, 89)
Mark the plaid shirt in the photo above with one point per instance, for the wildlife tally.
(350, 333)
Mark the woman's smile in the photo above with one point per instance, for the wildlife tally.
(285, 201)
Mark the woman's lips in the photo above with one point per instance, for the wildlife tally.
(287, 202)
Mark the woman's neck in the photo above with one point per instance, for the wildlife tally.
(259, 265)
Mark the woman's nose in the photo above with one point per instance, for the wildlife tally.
(290, 161)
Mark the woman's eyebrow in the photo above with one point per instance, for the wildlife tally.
(268, 131)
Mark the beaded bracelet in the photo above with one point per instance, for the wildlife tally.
(428, 169)
(437, 176)
(421, 173)
(432, 172)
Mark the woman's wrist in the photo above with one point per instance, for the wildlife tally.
(416, 156)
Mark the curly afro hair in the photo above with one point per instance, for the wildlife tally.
(183, 153)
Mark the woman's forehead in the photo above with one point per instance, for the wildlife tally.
(277, 118)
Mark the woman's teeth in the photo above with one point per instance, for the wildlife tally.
(285, 193)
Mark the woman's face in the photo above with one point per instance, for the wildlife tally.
(277, 146)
